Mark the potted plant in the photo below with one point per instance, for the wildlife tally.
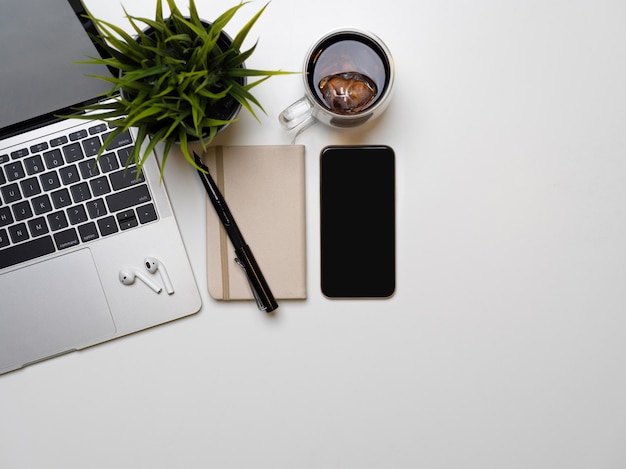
(178, 79)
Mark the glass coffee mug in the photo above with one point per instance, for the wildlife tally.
(348, 79)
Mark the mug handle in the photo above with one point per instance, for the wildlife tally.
(297, 114)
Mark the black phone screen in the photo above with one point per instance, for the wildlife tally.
(357, 221)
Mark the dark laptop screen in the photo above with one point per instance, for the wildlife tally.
(40, 41)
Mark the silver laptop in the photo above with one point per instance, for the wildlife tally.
(88, 252)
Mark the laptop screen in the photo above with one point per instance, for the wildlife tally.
(41, 41)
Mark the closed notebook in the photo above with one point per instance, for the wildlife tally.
(264, 187)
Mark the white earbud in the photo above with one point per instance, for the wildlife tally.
(153, 264)
(127, 277)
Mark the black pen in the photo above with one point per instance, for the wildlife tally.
(244, 256)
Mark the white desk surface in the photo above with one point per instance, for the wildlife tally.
(505, 344)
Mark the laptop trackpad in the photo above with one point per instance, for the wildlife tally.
(50, 308)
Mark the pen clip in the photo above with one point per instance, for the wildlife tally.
(257, 298)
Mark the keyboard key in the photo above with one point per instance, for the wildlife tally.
(38, 227)
(41, 204)
(11, 193)
(18, 233)
(91, 146)
(97, 129)
(4, 240)
(50, 181)
(61, 198)
(108, 162)
(58, 141)
(121, 140)
(88, 232)
(73, 152)
(14, 171)
(57, 221)
(78, 135)
(33, 165)
(89, 168)
(26, 251)
(66, 239)
(30, 187)
(6, 217)
(4, 159)
(126, 178)
(146, 213)
(69, 174)
(2, 178)
(39, 147)
(21, 153)
(124, 155)
(80, 192)
(127, 219)
(22, 211)
(96, 208)
(107, 226)
(100, 186)
(134, 196)
(77, 214)
(53, 158)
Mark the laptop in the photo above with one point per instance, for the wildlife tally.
(76, 236)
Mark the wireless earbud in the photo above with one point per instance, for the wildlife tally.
(153, 264)
(128, 276)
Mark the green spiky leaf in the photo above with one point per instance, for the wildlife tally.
(174, 75)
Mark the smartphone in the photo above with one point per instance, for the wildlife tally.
(357, 221)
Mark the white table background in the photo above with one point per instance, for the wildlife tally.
(505, 344)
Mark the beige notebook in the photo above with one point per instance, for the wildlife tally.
(264, 188)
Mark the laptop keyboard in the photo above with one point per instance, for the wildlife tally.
(54, 194)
